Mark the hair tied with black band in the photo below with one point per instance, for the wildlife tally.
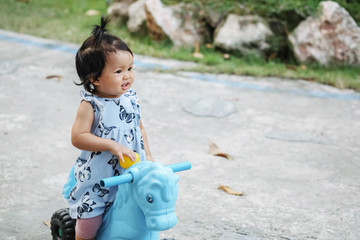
(100, 32)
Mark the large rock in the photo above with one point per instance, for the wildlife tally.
(247, 34)
(177, 22)
(331, 37)
(119, 8)
(137, 16)
(212, 17)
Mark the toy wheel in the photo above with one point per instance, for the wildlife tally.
(62, 225)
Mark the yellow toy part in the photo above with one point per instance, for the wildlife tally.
(128, 163)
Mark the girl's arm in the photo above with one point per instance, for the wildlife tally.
(82, 138)
(146, 143)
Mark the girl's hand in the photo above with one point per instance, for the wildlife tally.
(119, 150)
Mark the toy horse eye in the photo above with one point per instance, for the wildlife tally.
(149, 198)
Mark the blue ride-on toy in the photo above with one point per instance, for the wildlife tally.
(144, 204)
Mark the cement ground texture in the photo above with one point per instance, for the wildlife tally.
(295, 147)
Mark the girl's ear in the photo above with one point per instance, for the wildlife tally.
(94, 81)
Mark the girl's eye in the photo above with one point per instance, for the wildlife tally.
(131, 68)
(119, 71)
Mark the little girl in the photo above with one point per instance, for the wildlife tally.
(107, 126)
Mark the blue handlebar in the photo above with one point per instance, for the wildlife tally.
(127, 178)
(113, 181)
(177, 167)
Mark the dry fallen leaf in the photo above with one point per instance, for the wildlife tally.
(228, 190)
(58, 77)
(47, 223)
(23, 1)
(215, 150)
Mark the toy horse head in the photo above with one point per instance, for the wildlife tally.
(153, 188)
(156, 194)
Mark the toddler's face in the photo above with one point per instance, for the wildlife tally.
(117, 76)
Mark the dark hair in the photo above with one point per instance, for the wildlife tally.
(91, 57)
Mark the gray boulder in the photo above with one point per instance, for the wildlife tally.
(178, 22)
(247, 34)
(330, 37)
(119, 8)
(137, 16)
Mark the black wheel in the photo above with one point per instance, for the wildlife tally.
(62, 225)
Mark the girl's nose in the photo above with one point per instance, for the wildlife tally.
(126, 75)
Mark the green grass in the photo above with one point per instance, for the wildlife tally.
(66, 21)
(63, 20)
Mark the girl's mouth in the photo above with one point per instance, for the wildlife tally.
(125, 86)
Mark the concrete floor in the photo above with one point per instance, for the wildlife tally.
(295, 147)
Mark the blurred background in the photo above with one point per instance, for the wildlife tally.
(300, 39)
